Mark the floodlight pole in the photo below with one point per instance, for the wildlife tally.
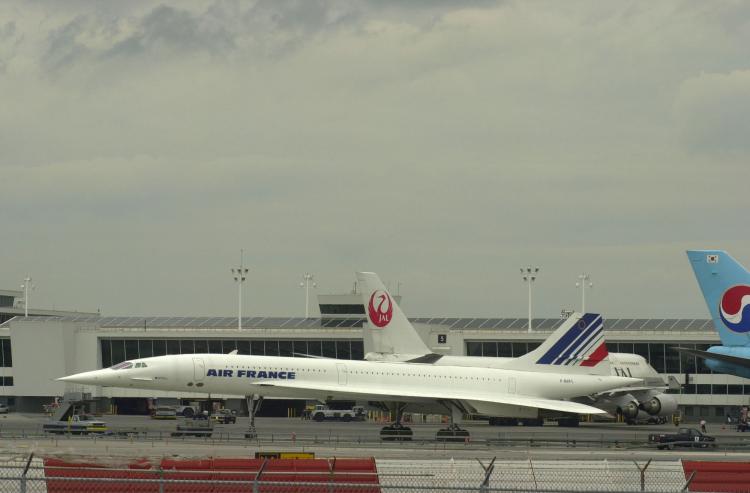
(27, 286)
(306, 280)
(529, 275)
(240, 278)
(584, 280)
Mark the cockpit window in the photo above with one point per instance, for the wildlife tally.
(141, 365)
(122, 366)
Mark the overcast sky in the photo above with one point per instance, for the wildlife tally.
(441, 144)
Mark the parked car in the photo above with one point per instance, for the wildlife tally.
(77, 425)
(4, 409)
(164, 412)
(224, 416)
(685, 437)
(187, 411)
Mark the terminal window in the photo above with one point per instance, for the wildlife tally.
(115, 351)
(5, 353)
(342, 309)
(499, 349)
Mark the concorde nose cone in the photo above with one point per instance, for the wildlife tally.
(88, 377)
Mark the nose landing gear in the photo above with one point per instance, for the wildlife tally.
(253, 406)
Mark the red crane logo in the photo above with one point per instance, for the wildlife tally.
(381, 314)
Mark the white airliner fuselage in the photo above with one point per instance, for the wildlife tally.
(490, 391)
(647, 391)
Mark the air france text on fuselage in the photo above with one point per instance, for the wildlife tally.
(223, 372)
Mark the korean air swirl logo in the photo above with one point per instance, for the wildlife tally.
(380, 308)
(735, 308)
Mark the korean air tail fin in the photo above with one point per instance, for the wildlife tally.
(577, 347)
(389, 330)
(725, 284)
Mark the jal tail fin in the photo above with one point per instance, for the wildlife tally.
(725, 284)
(577, 346)
(389, 331)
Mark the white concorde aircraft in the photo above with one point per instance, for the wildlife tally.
(525, 386)
(399, 341)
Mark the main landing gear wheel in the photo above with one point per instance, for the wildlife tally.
(452, 434)
(396, 432)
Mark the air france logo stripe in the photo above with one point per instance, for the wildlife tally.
(597, 356)
(595, 334)
(580, 348)
(587, 344)
(559, 346)
(580, 341)
(577, 342)
(586, 349)
(565, 342)
(589, 341)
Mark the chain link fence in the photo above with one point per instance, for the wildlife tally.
(90, 485)
(29, 474)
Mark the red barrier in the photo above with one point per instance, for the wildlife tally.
(234, 470)
(356, 471)
(724, 477)
(186, 470)
(90, 471)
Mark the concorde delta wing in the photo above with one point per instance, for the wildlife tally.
(478, 400)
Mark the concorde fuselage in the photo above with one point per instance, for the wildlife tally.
(244, 375)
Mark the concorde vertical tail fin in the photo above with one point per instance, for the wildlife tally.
(389, 329)
(577, 346)
(725, 284)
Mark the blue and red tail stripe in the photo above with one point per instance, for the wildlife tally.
(597, 356)
(593, 339)
(582, 342)
(576, 345)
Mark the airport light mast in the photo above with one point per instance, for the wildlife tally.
(584, 280)
(307, 279)
(26, 286)
(529, 275)
(240, 276)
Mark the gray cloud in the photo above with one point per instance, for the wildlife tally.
(267, 28)
(63, 45)
(175, 31)
(443, 144)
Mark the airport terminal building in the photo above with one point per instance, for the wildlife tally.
(37, 349)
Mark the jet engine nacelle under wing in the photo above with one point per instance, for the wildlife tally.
(629, 408)
(660, 404)
(625, 404)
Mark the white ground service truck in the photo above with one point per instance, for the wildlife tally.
(323, 413)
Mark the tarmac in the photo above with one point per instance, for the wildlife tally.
(21, 433)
